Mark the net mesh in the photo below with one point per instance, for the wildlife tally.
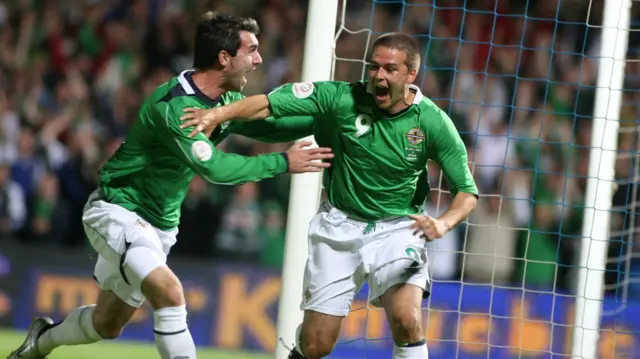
(518, 78)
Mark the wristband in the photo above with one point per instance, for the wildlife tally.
(286, 160)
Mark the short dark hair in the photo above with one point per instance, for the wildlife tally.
(217, 32)
(402, 42)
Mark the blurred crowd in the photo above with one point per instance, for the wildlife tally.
(518, 83)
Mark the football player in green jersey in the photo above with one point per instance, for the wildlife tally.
(372, 225)
(131, 220)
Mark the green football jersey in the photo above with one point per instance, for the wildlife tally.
(379, 169)
(150, 172)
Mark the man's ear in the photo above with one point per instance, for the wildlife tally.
(412, 75)
(224, 58)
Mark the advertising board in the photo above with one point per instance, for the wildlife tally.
(233, 306)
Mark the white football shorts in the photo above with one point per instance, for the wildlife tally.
(112, 230)
(344, 253)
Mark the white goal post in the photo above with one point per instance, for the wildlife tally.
(304, 198)
(601, 181)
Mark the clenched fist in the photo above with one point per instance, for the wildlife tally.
(431, 228)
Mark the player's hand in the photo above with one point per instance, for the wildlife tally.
(301, 160)
(431, 228)
(204, 120)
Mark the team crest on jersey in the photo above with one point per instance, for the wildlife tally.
(415, 136)
(302, 89)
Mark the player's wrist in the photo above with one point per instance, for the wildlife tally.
(222, 115)
(286, 161)
(445, 224)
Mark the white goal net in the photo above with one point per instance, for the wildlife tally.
(520, 81)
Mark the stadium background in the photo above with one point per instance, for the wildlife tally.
(518, 83)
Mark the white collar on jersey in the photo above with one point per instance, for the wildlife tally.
(416, 100)
(419, 96)
(185, 84)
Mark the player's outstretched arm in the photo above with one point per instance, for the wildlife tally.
(250, 108)
(273, 130)
(290, 100)
(216, 166)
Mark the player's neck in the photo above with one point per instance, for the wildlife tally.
(409, 96)
(210, 83)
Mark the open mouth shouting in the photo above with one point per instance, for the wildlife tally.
(381, 92)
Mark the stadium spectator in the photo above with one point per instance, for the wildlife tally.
(13, 209)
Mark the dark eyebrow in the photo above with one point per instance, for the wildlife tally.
(253, 47)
